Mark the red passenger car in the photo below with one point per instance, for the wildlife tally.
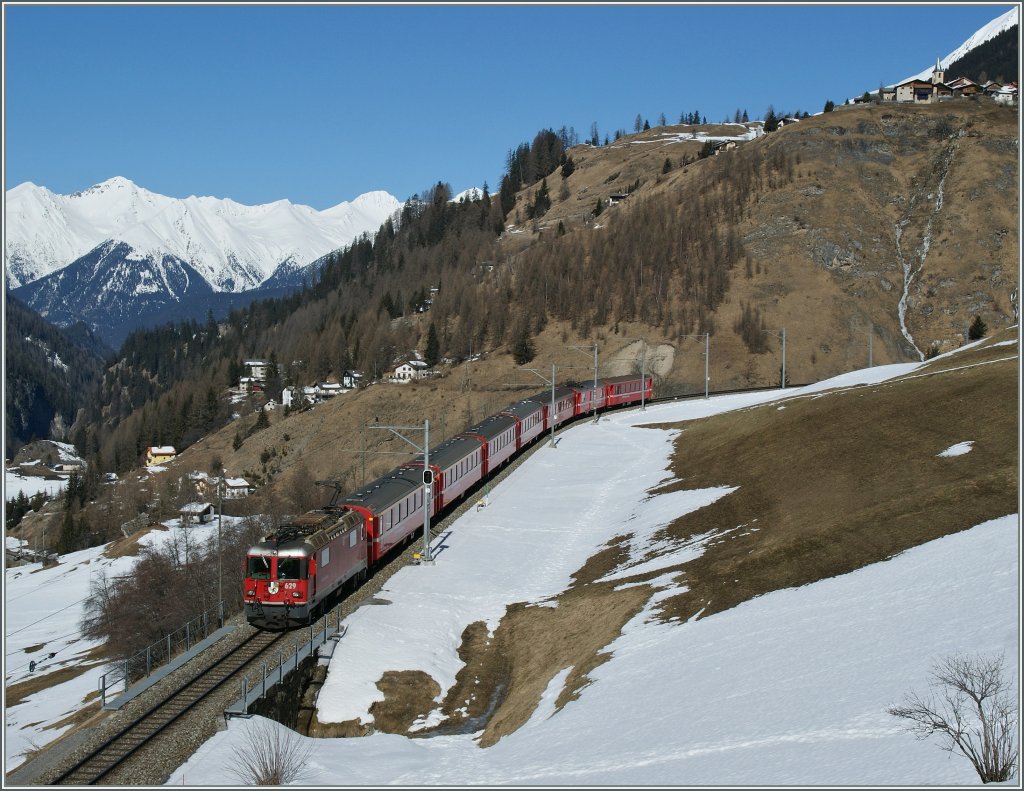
(497, 436)
(529, 417)
(621, 390)
(391, 508)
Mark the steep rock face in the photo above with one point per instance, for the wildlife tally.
(910, 212)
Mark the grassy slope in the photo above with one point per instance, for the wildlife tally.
(837, 481)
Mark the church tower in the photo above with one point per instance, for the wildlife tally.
(938, 73)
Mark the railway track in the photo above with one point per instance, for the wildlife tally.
(128, 741)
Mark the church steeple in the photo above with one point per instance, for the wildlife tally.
(938, 73)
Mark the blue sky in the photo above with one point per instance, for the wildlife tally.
(317, 104)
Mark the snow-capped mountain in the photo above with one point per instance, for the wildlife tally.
(988, 32)
(231, 246)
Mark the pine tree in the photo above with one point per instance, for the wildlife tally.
(523, 349)
(977, 330)
(432, 354)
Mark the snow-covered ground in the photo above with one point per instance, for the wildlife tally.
(789, 688)
(43, 611)
(751, 132)
(15, 481)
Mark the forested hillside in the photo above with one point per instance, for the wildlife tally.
(49, 374)
(997, 59)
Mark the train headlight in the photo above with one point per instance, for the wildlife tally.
(250, 593)
(295, 594)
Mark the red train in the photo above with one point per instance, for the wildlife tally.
(294, 574)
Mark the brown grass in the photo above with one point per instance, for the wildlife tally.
(835, 482)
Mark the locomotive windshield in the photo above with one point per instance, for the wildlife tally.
(291, 568)
(258, 567)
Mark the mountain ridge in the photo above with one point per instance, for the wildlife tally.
(234, 247)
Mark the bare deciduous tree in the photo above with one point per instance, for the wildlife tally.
(271, 754)
(972, 711)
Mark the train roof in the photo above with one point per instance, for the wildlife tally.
(306, 533)
(450, 452)
(522, 409)
(491, 427)
(545, 397)
(386, 490)
(617, 380)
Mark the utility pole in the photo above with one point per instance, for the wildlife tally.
(551, 410)
(428, 477)
(643, 373)
(220, 553)
(593, 399)
(707, 357)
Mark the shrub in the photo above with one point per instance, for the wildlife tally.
(973, 713)
(271, 755)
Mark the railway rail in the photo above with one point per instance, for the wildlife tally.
(130, 739)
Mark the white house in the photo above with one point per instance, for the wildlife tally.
(258, 369)
(236, 488)
(1006, 95)
(196, 513)
(412, 369)
(329, 389)
(246, 383)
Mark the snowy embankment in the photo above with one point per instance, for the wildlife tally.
(16, 479)
(29, 485)
(789, 688)
(43, 611)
